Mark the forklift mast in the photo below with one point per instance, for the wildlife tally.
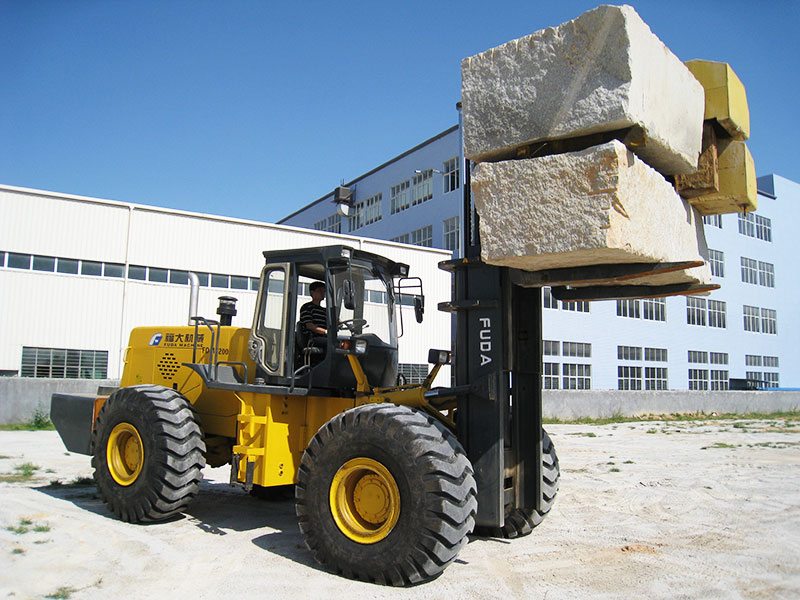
(498, 359)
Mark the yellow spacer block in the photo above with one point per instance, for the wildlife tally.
(737, 183)
(726, 98)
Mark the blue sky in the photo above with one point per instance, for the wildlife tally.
(254, 109)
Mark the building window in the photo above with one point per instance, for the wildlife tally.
(698, 356)
(719, 358)
(629, 352)
(698, 379)
(423, 187)
(717, 314)
(44, 263)
(67, 265)
(771, 380)
(423, 236)
(763, 228)
(655, 309)
(160, 275)
(766, 274)
(90, 267)
(655, 378)
(769, 321)
(752, 360)
(713, 220)
(576, 306)
(695, 311)
(577, 349)
(412, 372)
(752, 320)
(373, 213)
(747, 224)
(756, 377)
(451, 175)
(399, 199)
(716, 259)
(113, 270)
(551, 348)
(402, 239)
(629, 378)
(719, 380)
(576, 376)
(356, 218)
(550, 376)
(655, 354)
(64, 363)
(628, 308)
(547, 298)
(19, 261)
(332, 224)
(771, 362)
(451, 234)
(749, 270)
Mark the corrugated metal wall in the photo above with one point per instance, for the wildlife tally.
(62, 310)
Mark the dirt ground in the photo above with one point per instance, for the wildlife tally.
(645, 510)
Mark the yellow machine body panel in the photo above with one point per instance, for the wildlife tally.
(726, 98)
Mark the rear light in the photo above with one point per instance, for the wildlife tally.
(353, 346)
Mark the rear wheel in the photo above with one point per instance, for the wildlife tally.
(521, 521)
(385, 493)
(148, 453)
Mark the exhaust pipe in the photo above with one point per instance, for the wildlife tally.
(226, 310)
(194, 290)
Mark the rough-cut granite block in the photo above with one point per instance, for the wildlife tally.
(601, 205)
(600, 72)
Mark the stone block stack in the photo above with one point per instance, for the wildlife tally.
(581, 132)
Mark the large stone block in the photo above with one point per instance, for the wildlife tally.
(726, 98)
(601, 205)
(601, 72)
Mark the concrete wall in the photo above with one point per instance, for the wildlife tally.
(562, 404)
(21, 397)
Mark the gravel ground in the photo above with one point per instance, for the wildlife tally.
(645, 510)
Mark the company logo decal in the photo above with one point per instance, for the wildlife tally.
(156, 339)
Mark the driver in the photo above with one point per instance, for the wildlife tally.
(312, 315)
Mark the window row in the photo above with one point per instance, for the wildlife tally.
(713, 379)
(419, 237)
(763, 379)
(573, 376)
(74, 266)
(703, 357)
(713, 220)
(702, 312)
(64, 363)
(577, 349)
(635, 353)
(451, 235)
(755, 226)
(548, 301)
(760, 320)
(651, 309)
(758, 272)
(629, 377)
(756, 360)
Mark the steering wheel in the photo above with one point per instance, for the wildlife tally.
(352, 324)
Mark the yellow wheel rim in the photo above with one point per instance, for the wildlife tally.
(364, 500)
(124, 454)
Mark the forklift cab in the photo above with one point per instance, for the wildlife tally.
(360, 312)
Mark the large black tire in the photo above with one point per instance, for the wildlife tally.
(148, 453)
(436, 501)
(521, 521)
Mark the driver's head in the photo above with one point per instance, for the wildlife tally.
(317, 290)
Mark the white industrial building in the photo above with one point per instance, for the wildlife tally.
(77, 274)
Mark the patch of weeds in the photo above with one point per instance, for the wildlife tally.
(740, 425)
(718, 445)
(610, 462)
(2, 456)
(41, 528)
(62, 593)
(652, 430)
(584, 434)
(82, 481)
(23, 473)
(581, 470)
(628, 462)
(18, 551)
(613, 470)
(39, 421)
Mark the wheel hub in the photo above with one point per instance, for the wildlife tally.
(364, 500)
(124, 454)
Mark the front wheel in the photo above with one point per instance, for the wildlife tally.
(385, 493)
(148, 453)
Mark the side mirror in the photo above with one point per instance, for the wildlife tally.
(419, 307)
(348, 291)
